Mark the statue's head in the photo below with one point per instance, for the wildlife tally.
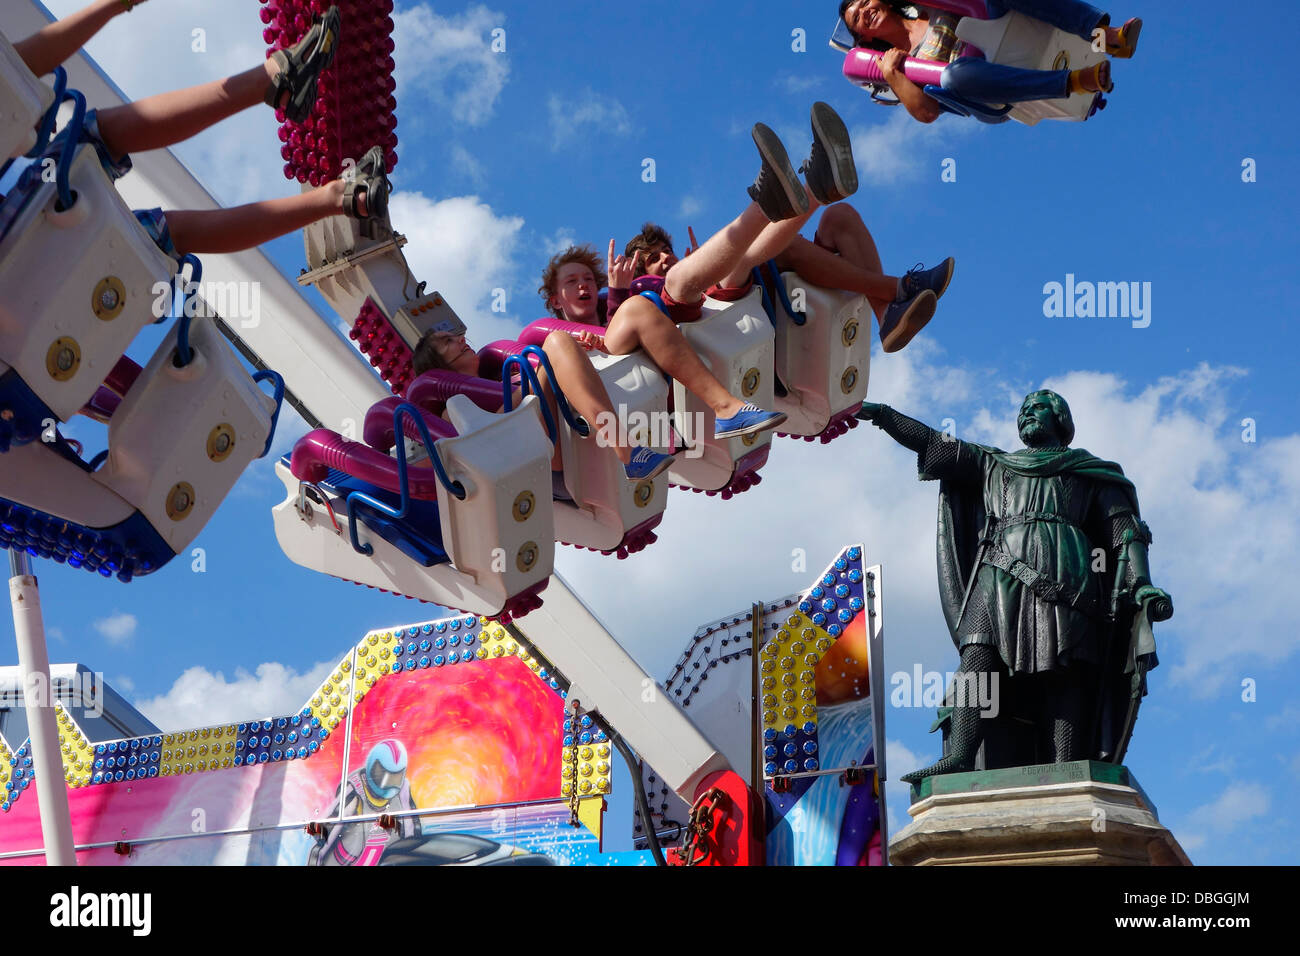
(1045, 420)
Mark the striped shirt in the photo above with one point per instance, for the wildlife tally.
(941, 40)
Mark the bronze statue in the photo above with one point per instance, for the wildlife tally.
(1046, 589)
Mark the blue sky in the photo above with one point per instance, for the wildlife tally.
(506, 157)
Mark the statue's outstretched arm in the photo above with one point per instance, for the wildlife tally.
(908, 432)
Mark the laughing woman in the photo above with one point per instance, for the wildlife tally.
(898, 29)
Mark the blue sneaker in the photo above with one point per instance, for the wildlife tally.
(747, 421)
(646, 464)
(904, 318)
(936, 279)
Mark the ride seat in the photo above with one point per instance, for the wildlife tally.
(594, 476)
(824, 363)
(23, 101)
(503, 531)
(76, 286)
(736, 341)
(1028, 44)
(182, 436)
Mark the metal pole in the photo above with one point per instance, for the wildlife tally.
(38, 700)
(756, 785)
(755, 735)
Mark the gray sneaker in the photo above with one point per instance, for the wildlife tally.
(831, 172)
(777, 190)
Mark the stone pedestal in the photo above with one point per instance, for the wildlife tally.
(1082, 813)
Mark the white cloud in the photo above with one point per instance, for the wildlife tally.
(589, 115)
(898, 795)
(1205, 762)
(690, 206)
(560, 240)
(468, 165)
(118, 628)
(465, 251)
(200, 698)
(796, 83)
(448, 61)
(1288, 719)
(1238, 804)
(897, 150)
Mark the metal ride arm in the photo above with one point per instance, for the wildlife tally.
(608, 680)
(726, 821)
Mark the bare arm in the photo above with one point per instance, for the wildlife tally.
(914, 99)
(51, 46)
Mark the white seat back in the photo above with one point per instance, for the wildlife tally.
(76, 286)
(182, 436)
(606, 505)
(1028, 44)
(824, 363)
(736, 341)
(23, 101)
(503, 533)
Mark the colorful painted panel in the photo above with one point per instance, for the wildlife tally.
(821, 723)
(442, 717)
(816, 717)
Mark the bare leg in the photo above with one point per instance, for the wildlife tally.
(557, 459)
(775, 238)
(50, 46)
(725, 253)
(857, 266)
(245, 227)
(639, 325)
(582, 386)
(170, 118)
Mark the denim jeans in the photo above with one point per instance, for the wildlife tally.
(982, 82)
(1072, 16)
(994, 84)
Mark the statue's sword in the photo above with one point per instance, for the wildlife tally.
(1116, 596)
(986, 539)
